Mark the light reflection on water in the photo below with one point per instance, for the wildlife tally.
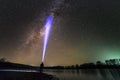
(86, 74)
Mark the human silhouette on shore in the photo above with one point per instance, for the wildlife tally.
(41, 67)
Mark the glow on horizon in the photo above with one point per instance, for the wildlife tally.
(47, 29)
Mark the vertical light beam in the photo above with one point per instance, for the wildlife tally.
(47, 29)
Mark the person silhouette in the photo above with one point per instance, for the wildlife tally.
(41, 67)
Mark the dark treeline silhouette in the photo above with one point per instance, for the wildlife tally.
(4, 64)
(112, 63)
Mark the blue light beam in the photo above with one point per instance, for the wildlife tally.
(47, 28)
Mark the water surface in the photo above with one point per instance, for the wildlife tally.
(85, 74)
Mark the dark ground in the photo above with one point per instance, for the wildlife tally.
(11, 75)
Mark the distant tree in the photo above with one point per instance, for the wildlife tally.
(77, 66)
(113, 62)
(72, 67)
(88, 65)
(99, 63)
(107, 62)
(3, 60)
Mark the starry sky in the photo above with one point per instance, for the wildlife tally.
(82, 31)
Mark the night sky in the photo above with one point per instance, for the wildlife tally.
(83, 31)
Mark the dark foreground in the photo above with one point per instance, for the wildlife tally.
(61, 74)
(15, 75)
